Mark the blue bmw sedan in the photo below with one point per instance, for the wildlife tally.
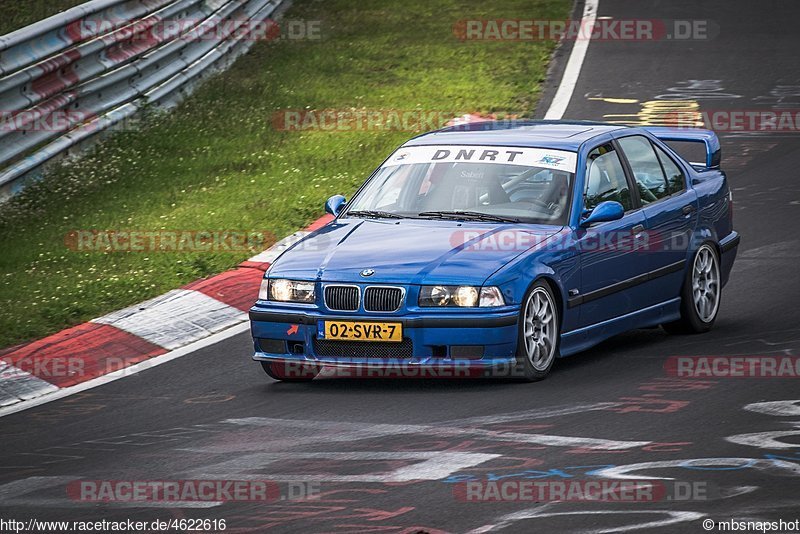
(503, 246)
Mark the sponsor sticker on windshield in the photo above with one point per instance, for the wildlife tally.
(559, 160)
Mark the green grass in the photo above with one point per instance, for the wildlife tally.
(218, 163)
(20, 13)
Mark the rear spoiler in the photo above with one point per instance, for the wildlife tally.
(692, 135)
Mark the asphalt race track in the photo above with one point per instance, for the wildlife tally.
(394, 455)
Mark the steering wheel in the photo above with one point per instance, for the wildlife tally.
(647, 194)
(541, 203)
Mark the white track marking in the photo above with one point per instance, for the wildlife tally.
(270, 255)
(358, 431)
(735, 491)
(55, 502)
(176, 318)
(768, 440)
(24, 486)
(128, 371)
(787, 408)
(670, 517)
(529, 415)
(431, 466)
(17, 385)
(624, 472)
(573, 69)
(14, 494)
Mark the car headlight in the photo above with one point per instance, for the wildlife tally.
(287, 291)
(460, 296)
(491, 297)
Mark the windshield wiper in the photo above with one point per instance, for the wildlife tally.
(467, 215)
(374, 214)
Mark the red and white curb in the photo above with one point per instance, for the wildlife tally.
(130, 340)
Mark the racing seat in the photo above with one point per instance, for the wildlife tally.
(603, 183)
(451, 191)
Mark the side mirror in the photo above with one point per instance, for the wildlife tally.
(604, 212)
(335, 204)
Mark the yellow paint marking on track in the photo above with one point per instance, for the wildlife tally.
(678, 113)
(614, 100)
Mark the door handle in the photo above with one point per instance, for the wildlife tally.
(637, 230)
(687, 209)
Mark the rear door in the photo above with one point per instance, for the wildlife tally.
(670, 210)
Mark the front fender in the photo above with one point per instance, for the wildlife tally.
(556, 261)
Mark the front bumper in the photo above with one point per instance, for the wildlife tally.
(437, 339)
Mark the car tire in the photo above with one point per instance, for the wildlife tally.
(290, 372)
(539, 334)
(701, 294)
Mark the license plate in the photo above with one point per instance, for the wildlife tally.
(355, 331)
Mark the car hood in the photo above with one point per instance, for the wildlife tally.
(408, 251)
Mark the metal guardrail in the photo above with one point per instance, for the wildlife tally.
(67, 78)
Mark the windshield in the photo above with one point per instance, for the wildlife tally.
(506, 184)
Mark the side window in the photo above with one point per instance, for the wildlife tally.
(646, 168)
(676, 181)
(605, 179)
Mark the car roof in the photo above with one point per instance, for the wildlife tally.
(563, 135)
